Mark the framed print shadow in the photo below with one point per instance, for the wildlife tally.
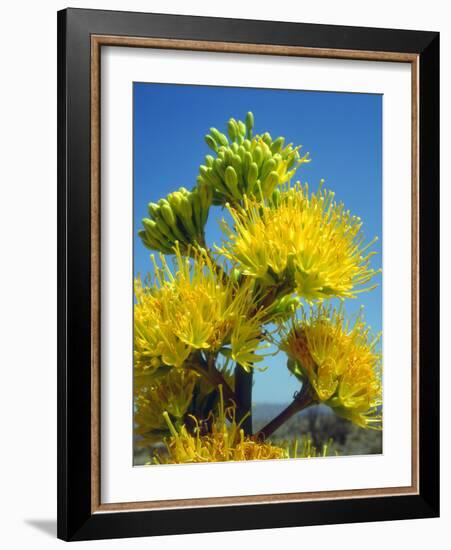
(248, 253)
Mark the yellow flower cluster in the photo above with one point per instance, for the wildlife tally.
(183, 447)
(195, 308)
(302, 240)
(171, 392)
(340, 362)
(225, 442)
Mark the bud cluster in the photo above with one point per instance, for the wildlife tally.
(247, 165)
(180, 217)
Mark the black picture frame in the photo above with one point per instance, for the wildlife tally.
(76, 520)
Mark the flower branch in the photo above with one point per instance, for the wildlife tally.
(301, 401)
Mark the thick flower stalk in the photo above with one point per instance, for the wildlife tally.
(194, 309)
(248, 165)
(300, 241)
(339, 361)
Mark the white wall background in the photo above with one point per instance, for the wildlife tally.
(28, 270)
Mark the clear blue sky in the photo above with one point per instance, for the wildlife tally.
(342, 132)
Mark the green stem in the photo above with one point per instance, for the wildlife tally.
(243, 392)
(301, 401)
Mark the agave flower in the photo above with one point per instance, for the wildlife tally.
(194, 308)
(340, 361)
(226, 442)
(302, 241)
(171, 392)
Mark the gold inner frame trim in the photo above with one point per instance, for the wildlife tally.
(97, 41)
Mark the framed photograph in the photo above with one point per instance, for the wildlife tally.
(248, 274)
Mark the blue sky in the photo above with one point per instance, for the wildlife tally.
(341, 131)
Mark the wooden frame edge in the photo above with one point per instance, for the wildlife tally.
(235, 47)
(95, 276)
(415, 270)
(254, 499)
(262, 49)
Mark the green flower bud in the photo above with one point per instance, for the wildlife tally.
(249, 123)
(277, 144)
(232, 182)
(211, 143)
(232, 129)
